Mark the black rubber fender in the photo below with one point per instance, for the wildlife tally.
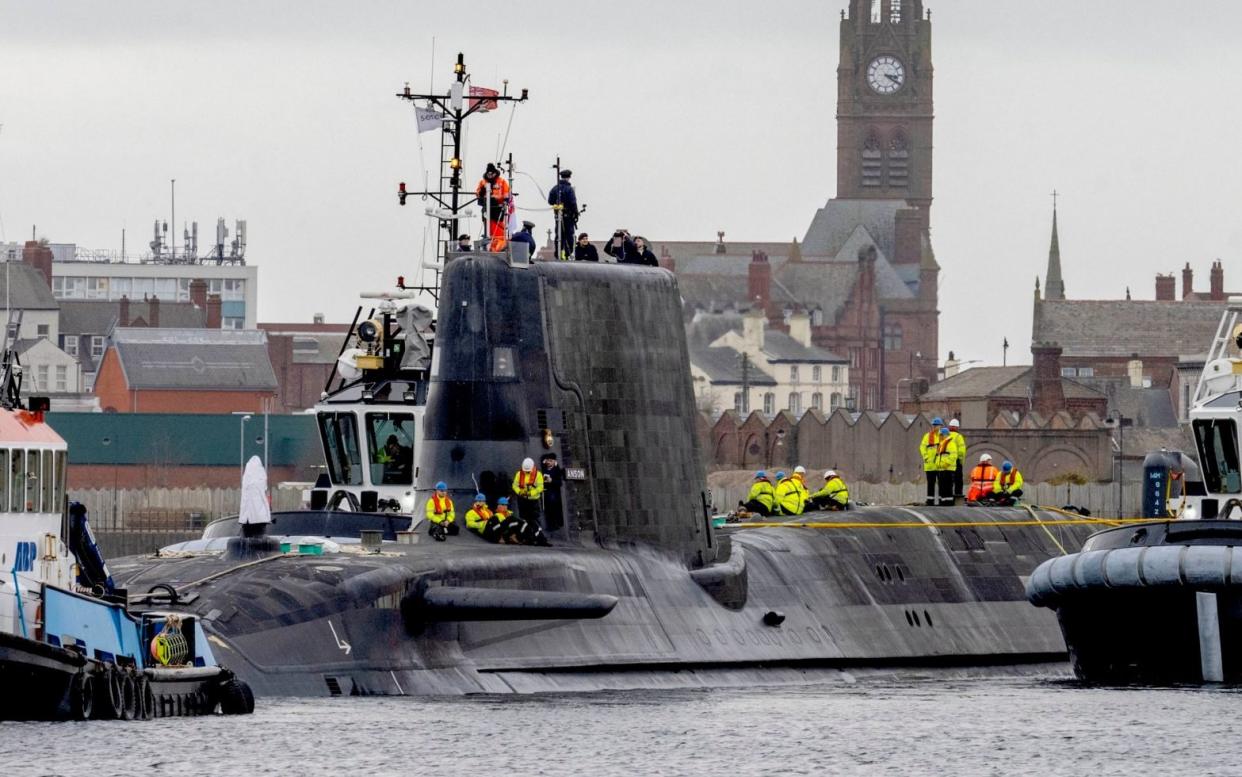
(129, 697)
(236, 698)
(114, 700)
(81, 696)
(146, 698)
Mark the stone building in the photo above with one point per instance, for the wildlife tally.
(864, 272)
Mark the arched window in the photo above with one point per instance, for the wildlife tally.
(872, 159)
(817, 317)
(834, 401)
(737, 401)
(817, 401)
(898, 159)
(876, 12)
(795, 402)
(769, 403)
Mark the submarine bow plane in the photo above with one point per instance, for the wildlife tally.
(637, 588)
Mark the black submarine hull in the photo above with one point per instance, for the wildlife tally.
(422, 620)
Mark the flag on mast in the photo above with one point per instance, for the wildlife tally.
(428, 118)
(483, 91)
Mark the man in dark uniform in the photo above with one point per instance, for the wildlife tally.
(524, 235)
(564, 203)
(553, 477)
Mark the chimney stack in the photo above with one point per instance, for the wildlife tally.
(123, 316)
(1188, 281)
(39, 257)
(1047, 394)
(1166, 288)
(800, 327)
(759, 280)
(153, 312)
(1218, 281)
(214, 320)
(753, 323)
(317, 318)
(198, 293)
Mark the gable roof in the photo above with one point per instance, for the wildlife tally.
(723, 365)
(780, 347)
(98, 317)
(999, 383)
(1121, 328)
(835, 223)
(196, 359)
(25, 288)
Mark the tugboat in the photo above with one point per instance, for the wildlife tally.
(1161, 601)
(70, 645)
(639, 587)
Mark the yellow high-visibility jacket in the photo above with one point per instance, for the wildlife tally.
(835, 489)
(791, 495)
(959, 445)
(763, 491)
(440, 510)
(927, 449)
(1007, 482)
(528, 485)
(477, 518)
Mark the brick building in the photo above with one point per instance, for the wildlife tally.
(864, 271)
(303, 356)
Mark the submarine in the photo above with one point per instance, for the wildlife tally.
(638, 588)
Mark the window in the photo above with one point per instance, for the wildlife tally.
(769, 403)
(42, 382)
(834, 401)
(4, 479)
(1086, 372)
(817, 401)
(1217, 441)
(876, 12)
(71, 345)
(793, 374)
(872, 160)
(854, 357)
(795, 402)
(894, 11)
(97, 346)
(121, 287)
(17, 466)
(898, 159)
(47, 483)
(870, 405)
(390, 440)
(836, 374)
(96, 288)
(737, 402)
(231, 322)
(873, 357)
(62, 378)
(41, 330)
(32, 482)
(892, 337)
(817, 374)
(59, 494)
(1068, 372)
(88, 381)
(339, 434)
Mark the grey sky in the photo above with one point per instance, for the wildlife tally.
(679, 119)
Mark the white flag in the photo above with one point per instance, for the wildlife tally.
(428, 118)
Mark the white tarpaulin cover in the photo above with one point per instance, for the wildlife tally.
(254, 505)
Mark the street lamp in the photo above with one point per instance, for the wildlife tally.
(241, 441)
(107, 441)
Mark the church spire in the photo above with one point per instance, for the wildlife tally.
(1054, 287)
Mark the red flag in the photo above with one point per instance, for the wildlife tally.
(483, 91)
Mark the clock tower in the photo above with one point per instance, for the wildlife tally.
(884, 104)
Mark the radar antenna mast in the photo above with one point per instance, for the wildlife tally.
(453, 109)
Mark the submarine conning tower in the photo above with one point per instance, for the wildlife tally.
(588, 361)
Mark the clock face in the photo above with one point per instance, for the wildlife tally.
(886, 74)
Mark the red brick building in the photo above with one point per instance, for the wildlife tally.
(303, 357)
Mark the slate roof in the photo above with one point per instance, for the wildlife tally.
(25, 287)
(194, 359)
(1149, 407)
(835, 222)
(999, 383)
(1121, 328)
(97, 317)
(724, 366)
(780, 347)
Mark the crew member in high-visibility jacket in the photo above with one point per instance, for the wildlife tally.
(492, 194)
(959, 444)
(1008, 484)
(982, 478)
(482, 521)
(943, 459)
(762, 496)
(835, 495)
(790, 492)
(528, 488)
(927, 451)
(441, 519)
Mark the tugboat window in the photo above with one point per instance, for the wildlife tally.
(1217, 441)
(17, 466)
(390, 440)
(340, 442)
(49, 483)
(4, 479)
(32, 482)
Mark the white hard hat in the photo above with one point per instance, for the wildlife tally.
(528, 464)
(799, 470)
(985, 457)
(832, 473)
(955, 423)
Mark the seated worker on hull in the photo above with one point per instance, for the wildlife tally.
(519, 531)
(441, 519)
(791, 493)
(833, 496)
(528, 487)
(982, 477)
(1007, 487)
(493, 527)
(762, 496)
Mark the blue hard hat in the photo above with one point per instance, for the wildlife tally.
(780, 474)
(442, 486)
(1007, 466)
(504, 500)
(944, 431)
(480, 498)
(760, 474)
(937, 421)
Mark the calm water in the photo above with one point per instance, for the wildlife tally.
(878, 726)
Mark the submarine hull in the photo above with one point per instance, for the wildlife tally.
(418, 619)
